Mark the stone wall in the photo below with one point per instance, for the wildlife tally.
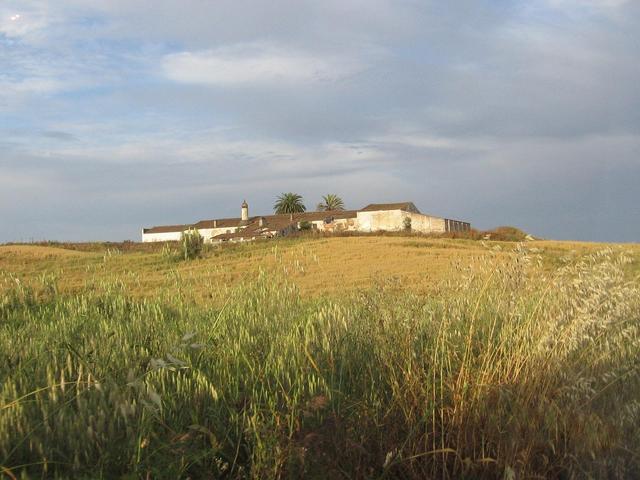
(337, 225)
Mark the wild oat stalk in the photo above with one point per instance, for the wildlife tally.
(511, 370)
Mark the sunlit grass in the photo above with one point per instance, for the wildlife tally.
(506, 368)
(320, 267)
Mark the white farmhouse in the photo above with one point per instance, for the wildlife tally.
(375, 217)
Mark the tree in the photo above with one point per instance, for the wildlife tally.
(331, 202)
(289, 203)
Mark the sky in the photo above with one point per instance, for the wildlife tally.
(122, 114)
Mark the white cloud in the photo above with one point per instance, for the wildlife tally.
(29, 86)
(24, 19)
(579, 9)
(573, 4)
(257, 64)
(270, 158)
(417, 140)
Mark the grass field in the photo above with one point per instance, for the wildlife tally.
(355, 357)
(325, 266)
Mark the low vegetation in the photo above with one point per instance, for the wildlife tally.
(192, 243)
(319, 265)
(513, 366)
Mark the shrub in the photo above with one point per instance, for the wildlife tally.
(406, 223)
(304, 226)
(169, 254)
(506, 234)
(192, 243)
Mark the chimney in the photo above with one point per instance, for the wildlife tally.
(262, 221)
(215, 224)
(245, 211)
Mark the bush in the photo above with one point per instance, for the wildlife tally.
(304, 226)
(407, 223)
(506, 234)
(192, 243)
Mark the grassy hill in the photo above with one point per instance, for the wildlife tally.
(325, 266)
(330, 357)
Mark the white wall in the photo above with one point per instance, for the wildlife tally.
(161, 237)
(426, 223)
(208, 233)
(387, 220)
(393, 221)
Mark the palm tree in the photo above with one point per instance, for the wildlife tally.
(331, 202)
(289, 203)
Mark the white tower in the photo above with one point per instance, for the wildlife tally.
(245, 211)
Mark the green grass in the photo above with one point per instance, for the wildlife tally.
(506, 368)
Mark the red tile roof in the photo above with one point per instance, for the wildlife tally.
(219, 223)
(406, 206)
(166, 229)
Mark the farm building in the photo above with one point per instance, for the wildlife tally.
(372, 218)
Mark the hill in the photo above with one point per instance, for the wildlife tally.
(317, 266)
(355, 357)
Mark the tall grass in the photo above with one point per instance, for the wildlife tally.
(508, 372)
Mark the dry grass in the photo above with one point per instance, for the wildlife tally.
(28, 253)
(510, 368)
(318, 266)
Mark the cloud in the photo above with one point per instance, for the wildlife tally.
(305, 24)
(22, 19)
(257, 64)
(27, 86)
(58, 135)
(587, 4)
(493, 111)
